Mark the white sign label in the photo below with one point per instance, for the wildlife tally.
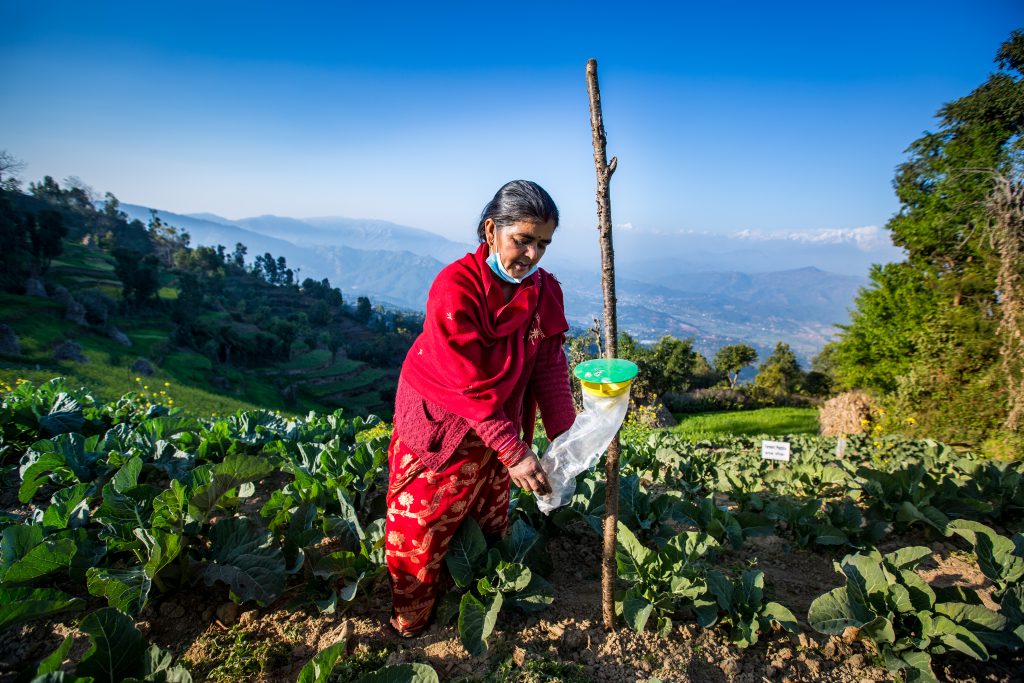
(840, 446)
(775, 450)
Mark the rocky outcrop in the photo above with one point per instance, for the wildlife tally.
(141, 366)
(61, 295)
(35, 287)
(118, 336)
(220, 383)
(73, 310)
(98, 306)
(69, 350)
(9, 344)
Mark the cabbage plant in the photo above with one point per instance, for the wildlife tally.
(886, 603)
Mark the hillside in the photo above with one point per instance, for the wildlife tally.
(395, 264)
(800, 307)
(213, 335)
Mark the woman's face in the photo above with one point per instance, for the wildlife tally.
(520, 245)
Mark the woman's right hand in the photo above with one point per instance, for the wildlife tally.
(527, 474)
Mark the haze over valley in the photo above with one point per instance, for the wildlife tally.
(747, 287)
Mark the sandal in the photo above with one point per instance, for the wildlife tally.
(406, 635)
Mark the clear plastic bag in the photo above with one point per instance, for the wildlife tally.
(579, 449)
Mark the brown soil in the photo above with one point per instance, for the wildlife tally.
(191, 624)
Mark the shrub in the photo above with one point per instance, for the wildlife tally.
(746, 397)
(707, 400)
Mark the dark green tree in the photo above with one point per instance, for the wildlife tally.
(238, 255)
(285, 275)
(266, 267)
(112, 208)
(363, 310)
(335, 341)
(924, 333)
(46, 238)
(139, 275)
(821, 378)
(14, 256)
(166, 240)
(78, 196)
(48, 189)
(780, 373)
(880, 343)
(666, 367)
(731, 359)
(704, 375)
(320, 313)
(286, 331)
(672, 363)
(190, 298)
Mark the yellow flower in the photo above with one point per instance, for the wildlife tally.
(878, 444)
(138, 379)
(167, 384)
(910, 421)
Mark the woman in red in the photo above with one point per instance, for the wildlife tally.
(489, 356)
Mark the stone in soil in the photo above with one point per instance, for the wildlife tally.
(172, 610)
(227, 613)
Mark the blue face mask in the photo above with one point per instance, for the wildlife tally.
(495, 263)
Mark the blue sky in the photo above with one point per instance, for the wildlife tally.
(766, 117)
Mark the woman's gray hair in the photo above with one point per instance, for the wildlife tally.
(519, 200)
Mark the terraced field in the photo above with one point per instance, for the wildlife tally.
(312, 380)
(344, 382)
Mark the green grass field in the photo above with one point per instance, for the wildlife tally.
(40, 326)
(79, 257)
(341, 366)
(310, 359)
(768, 421)
(349, 384)
(109, 383)
(194, 381)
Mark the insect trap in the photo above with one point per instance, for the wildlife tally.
(605, 383)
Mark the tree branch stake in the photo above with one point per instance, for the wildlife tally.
(604, 228)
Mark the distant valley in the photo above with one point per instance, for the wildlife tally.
(705, 298)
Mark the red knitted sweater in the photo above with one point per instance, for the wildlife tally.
(437, 401)
(434, 432)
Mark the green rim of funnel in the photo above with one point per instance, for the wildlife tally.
(606, 371)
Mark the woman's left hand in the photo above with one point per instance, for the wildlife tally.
(527, 474)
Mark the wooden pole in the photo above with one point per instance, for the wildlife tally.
(604, 229)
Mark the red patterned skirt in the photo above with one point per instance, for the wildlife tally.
(425, 509)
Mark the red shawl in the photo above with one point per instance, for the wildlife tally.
(471, 352)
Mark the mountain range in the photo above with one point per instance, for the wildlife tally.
(700, 292)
